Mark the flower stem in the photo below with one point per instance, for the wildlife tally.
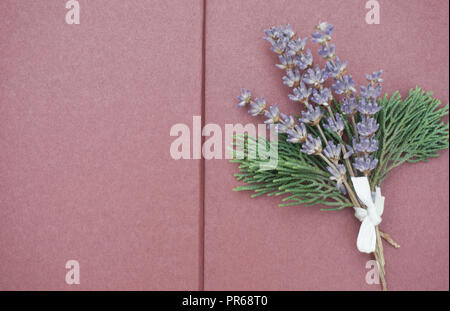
(379, 256)
(347, 161)
(350, 191)
(388, 239)
(322, 134)
(344, 150)
(354, 127)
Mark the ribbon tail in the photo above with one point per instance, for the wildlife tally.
(367, 237)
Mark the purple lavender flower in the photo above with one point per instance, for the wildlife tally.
(339, 176)
(325, 28)
(297, 135)
(350, 152)
(296, 47)
(244, 98)
(335, 125)
(278, 46)
(321, 38)
(301, 93)
(292, 78)
(332, 151)
(279, 33)
(366, 145)
(327, 52)
(272, 115)
(375, 77)
(271, 33)
(368, 106)
(365, 164)
(287, 32)
(348, 106)
(312, 145)
(367, 127)
(336, 68)
(286, 123)
(345, 86)
(286, 62)
(322, 97)
(315, 77)
(312, 115)
(371, 91)
(257, 107)
(304, 61)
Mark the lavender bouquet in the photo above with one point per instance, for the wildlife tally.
(341, 147)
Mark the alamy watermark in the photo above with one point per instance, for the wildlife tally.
(373, 275)
(73, 15)
(373, 15)
(73, 273)
(237, 141)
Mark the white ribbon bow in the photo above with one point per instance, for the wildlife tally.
(370, 217)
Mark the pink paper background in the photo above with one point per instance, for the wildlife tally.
(86, 172)
(85, 169)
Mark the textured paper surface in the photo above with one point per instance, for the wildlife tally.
(85, 170)
(86, 173)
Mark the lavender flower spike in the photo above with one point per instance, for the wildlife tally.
(278, 46)
(368, 107)
(312, 145)
(338, 176)
(327, 52)
(345, 86)
(292, 78)
(288, 33)
(286, 123)
(321, 38)
(332, 151)
(350, 152)
(304, 61)
(371, 92)
(257, 107)
(301, 93)
(348, 106)
(286, 62)
(365, 164)
(365, 145)
(322, 97)
(312, 115)
(244, 98)
(272, 115)
(297, 135)
(325, 28)
(367, 127)
(271, 33)
(335, 125)
(315, 77)
(296, 47)
(278, 37)
(375, 77)
(336, 69)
